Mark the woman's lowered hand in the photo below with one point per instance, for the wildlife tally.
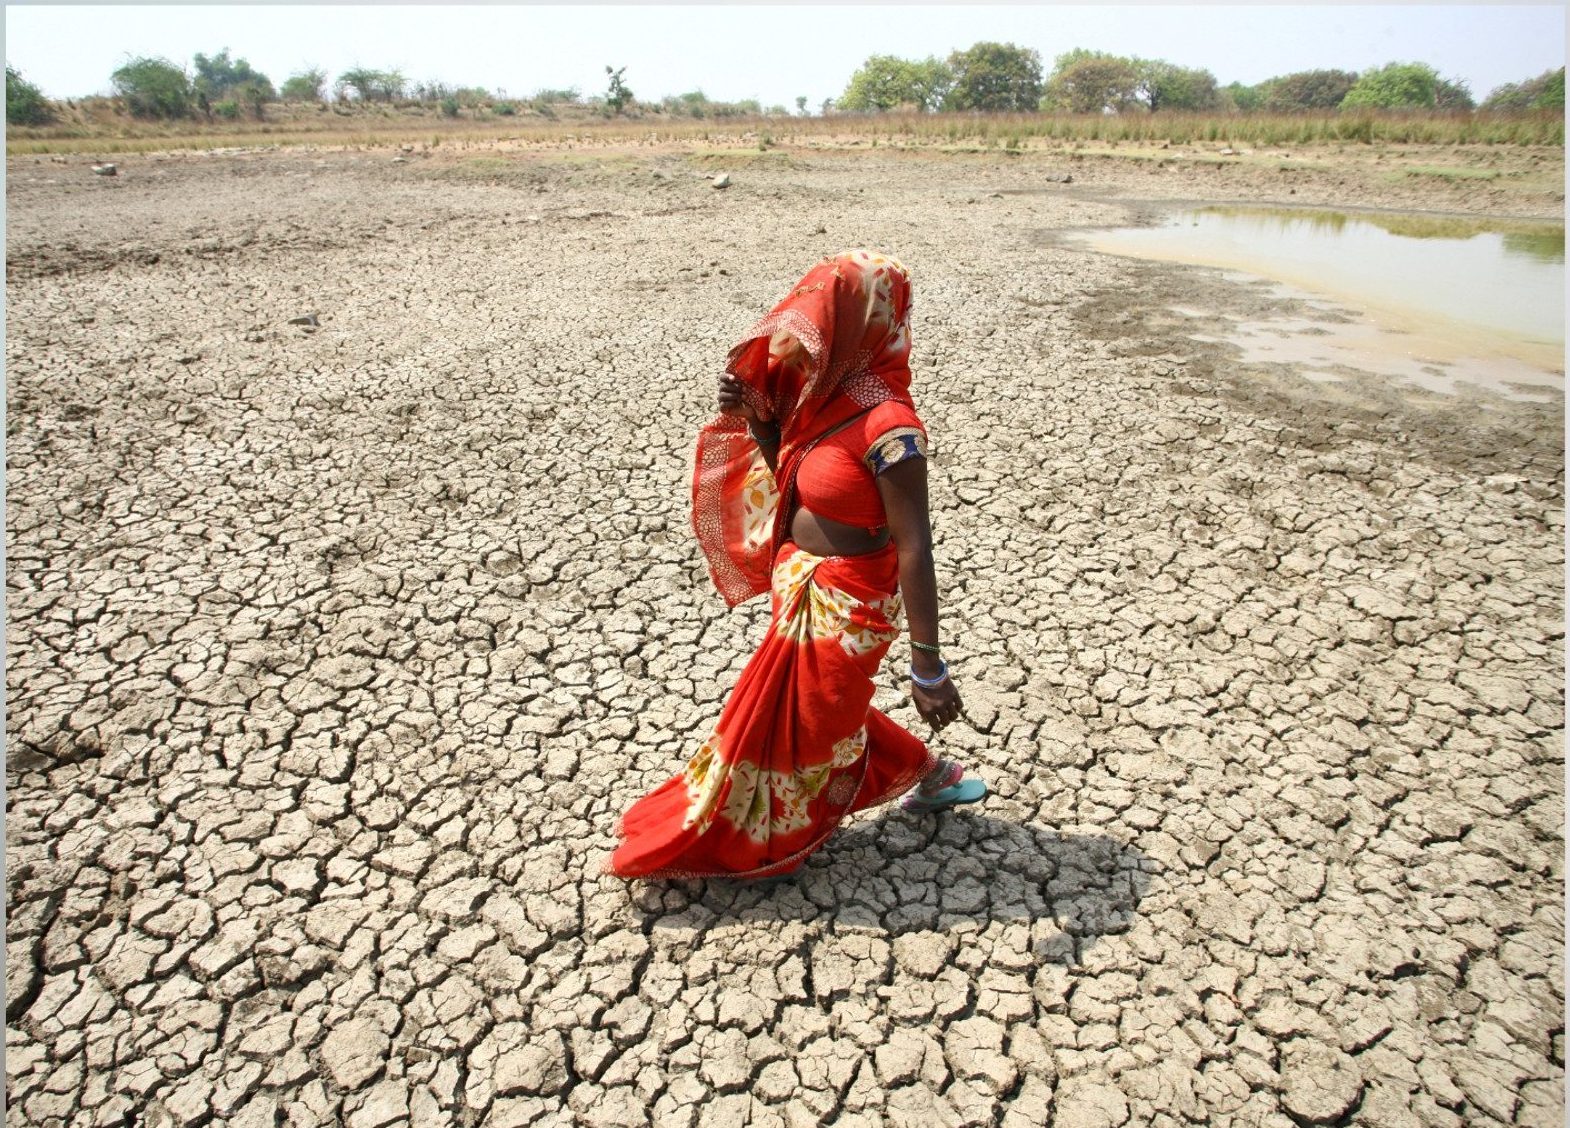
(940, 705)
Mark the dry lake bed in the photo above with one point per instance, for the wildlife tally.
(351, 598)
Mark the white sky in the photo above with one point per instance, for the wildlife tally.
(769, 52)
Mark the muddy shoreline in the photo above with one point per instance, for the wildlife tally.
(351, 597)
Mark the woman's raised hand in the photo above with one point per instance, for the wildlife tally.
(732, 403)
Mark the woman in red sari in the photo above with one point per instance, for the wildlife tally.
(812, 485)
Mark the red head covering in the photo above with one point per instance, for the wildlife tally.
(837, 345)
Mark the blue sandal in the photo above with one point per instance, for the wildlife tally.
(965, 791)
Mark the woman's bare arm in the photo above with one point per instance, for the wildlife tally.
(903, 487)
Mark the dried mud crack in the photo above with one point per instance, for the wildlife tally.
(335, 650)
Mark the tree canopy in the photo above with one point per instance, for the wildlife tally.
(1452, 94)
(372, 85)
(153, 88)
(885, 82)
(1545, 92)
(1394, 86)
(1091, 82)
(25, 104)
(1095, 81)
(1167, 86)
(1306, 90)
(219, 76)
(617, 96)
(995, 77)
(1243, 97)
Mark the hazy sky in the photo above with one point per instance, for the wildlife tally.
(772, 53)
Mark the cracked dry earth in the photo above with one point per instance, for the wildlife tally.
(334, 652)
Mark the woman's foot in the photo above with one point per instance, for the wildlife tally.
(946, 774)
(943, 787)
(965, 791)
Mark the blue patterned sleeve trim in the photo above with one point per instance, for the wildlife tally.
(895, 446)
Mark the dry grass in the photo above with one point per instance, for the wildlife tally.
(380, 126)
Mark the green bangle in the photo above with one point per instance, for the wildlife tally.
(927, 646)
(764, 440)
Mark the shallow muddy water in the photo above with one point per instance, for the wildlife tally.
(1434, 301)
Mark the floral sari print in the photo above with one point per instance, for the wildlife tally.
(837, 345)
(798, 746)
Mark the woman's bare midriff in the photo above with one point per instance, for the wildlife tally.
(823, 537)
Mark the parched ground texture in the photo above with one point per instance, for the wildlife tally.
(334, 652)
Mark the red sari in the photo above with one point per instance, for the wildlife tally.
(798, 745)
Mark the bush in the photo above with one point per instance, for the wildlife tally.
(305, 86)
(504, 109)
(25, 104)
(229, 109)
(153, 88)
(254, 96)
(449, 107)
(694, 103)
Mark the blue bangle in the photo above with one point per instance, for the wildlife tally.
(931, 683)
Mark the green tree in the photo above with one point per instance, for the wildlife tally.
(1090, 82)
(218, 75)
(995, 77)
(1309, 90)
(25, 104)
(801, 104)
(1453, 94)
(1167, 86)
(372, 85)
(1550, 94)
(305, 86)
(619, 96)
(885, 82)
(153, 88)
(1545, 92)
(1394, 86)
(1246, 98)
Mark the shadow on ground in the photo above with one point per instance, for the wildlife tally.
(901, 873)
